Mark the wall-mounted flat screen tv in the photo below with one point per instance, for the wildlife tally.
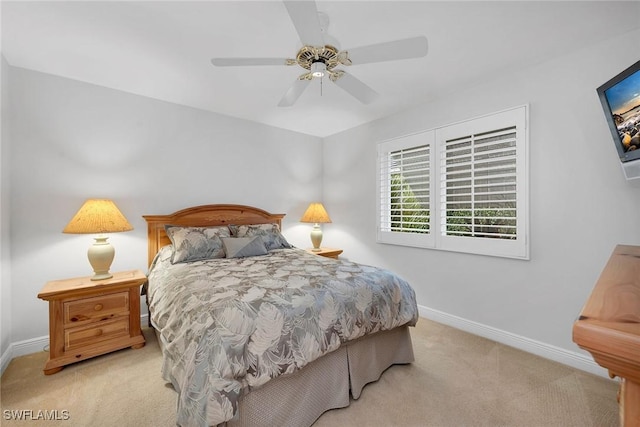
(620, 98)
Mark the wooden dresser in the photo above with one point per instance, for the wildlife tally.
(89, 318)
(609, 327)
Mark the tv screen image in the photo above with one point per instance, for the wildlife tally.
(620, 98)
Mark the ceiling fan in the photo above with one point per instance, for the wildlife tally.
(319, 55)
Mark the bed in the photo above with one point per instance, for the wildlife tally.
(267, 338)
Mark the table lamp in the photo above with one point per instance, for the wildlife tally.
(98, 216)
(316, 214)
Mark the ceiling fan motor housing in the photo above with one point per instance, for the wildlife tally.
(308, 55)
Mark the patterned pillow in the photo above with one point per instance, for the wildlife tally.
(239, 247)
(270, 234)
(196, 243)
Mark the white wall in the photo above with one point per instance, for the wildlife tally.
(581, 206)
(5, 264)
(71, 141)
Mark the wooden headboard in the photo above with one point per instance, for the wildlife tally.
(204, 216)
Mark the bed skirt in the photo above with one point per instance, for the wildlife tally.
(299, 399)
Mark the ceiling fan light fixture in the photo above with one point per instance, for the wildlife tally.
(318, 69)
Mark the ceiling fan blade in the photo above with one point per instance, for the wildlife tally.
(356, 88)
(294, 92)
(304, 15)
(414, 47)
(241, 62)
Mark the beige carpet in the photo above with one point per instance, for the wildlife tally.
(458, 379)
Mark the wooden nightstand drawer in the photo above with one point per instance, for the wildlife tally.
(92, 334)
(96, 308)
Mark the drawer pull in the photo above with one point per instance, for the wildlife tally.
(74, 319)
(97, 307)
(98, 332)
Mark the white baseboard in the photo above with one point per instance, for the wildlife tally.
(35, 345)
(557, 354)
(5, 358)
(21, 348)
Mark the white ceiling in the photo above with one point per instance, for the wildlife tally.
(162, 50)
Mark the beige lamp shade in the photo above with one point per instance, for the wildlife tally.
(316, 214)
(98, 216)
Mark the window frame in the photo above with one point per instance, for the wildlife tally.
(517, 248)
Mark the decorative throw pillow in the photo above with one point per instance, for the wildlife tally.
(270, 234)
(239, 247)
(196, 243)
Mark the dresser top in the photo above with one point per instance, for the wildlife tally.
(616, 295)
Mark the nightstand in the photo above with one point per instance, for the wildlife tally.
(326, 252)
(89, 318)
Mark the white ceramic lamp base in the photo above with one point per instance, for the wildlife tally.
(316, 237)
(100, 257)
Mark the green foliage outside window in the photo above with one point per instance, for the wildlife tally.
(491, 223)
(407, 213)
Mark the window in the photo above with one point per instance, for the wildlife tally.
(404, 186)
(479, 170)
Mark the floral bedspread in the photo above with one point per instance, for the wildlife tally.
(230, 325)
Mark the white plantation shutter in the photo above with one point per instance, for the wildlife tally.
(483, 185)
(407, 181)
(480, 170)
(404, 188)
(479, 186)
